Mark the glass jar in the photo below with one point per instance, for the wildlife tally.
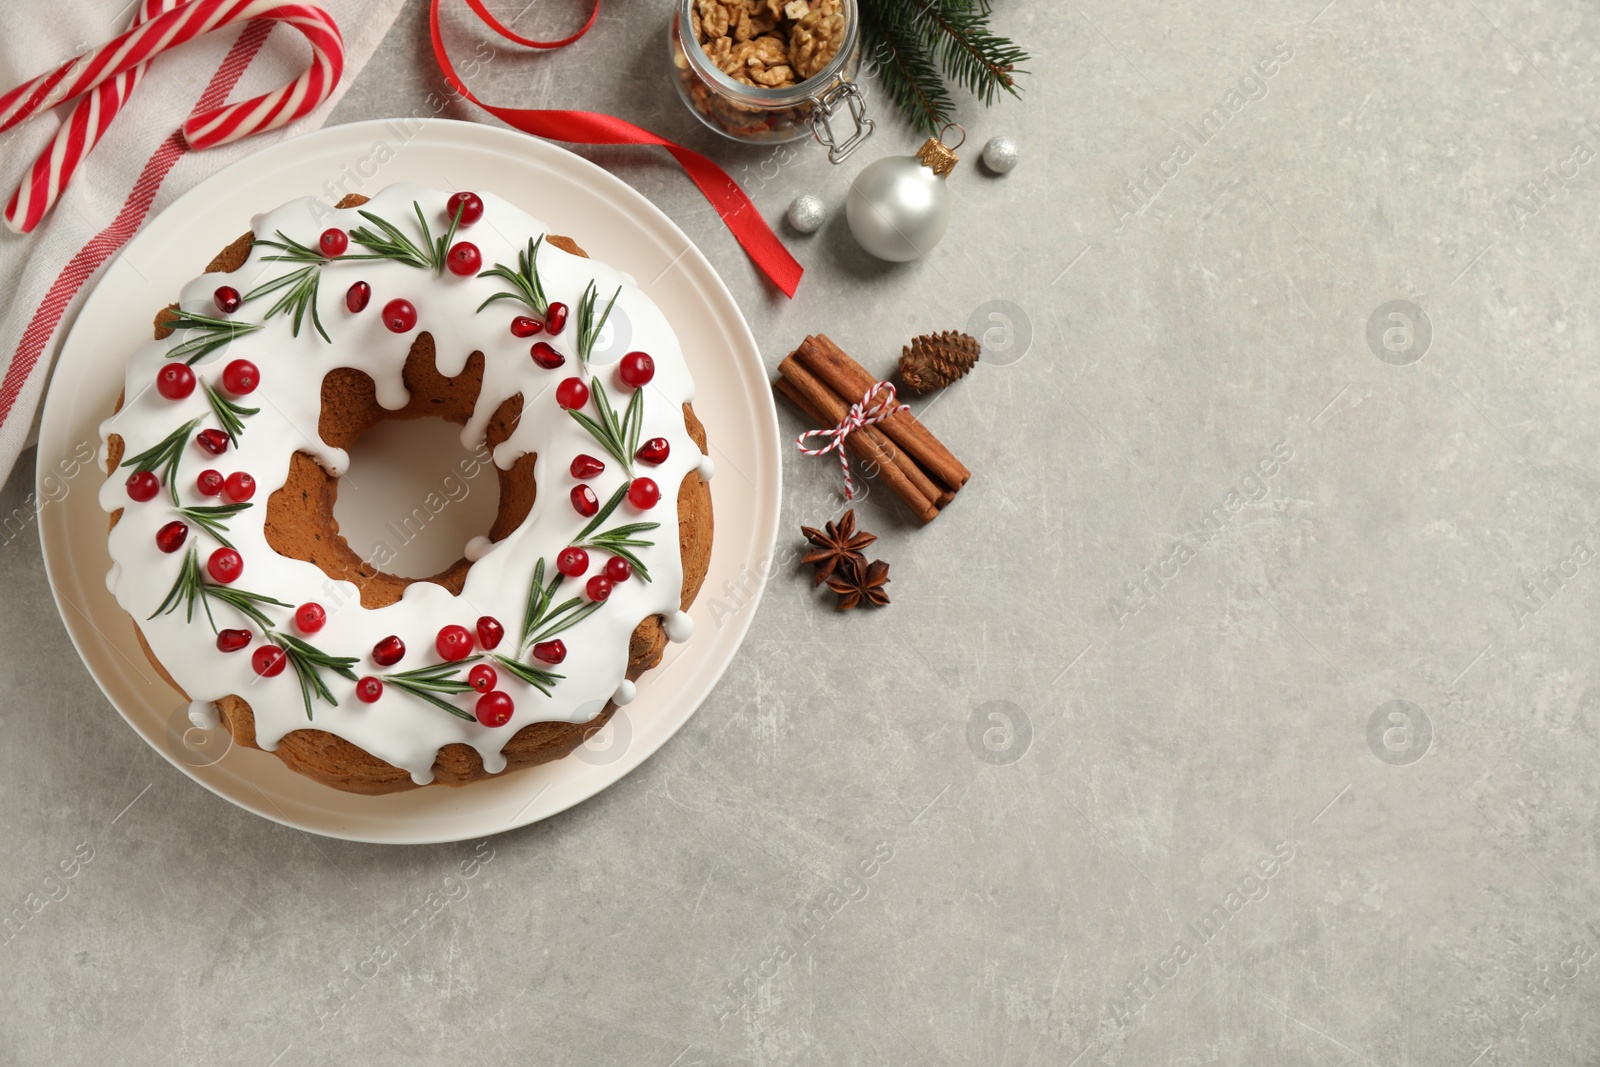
(757, 115)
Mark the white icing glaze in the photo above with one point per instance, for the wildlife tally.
(400, 728)
(203, 715)
(707, 469)
(477, 548)
(625, 693)
(679, 627)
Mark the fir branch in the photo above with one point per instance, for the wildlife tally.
(191, 588)
(213, 333)
(537, 677)
(209, 517)
(162, 458)
(588, 326)
(906, 71)
(299, 294)
(524, 281)
(978, 59)
(309, 662)
(620, 437)
(228, 413)
(918, 44)
(426, 683)
(390, 243)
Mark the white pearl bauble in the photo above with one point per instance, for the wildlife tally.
(1000, 154)
(898, 209)
(807, 213)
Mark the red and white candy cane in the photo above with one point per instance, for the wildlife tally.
(876, 404)
(129, 53)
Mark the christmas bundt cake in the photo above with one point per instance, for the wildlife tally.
(226, 449)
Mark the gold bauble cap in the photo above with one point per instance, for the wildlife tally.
(938, 156)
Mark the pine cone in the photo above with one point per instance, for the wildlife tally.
(934, 360)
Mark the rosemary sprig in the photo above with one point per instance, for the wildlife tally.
(425, 683)
(209, 517)
(191, 587)
(541, 621)
(309, 662)
(605, 511)
(538, 677)
(620, 437)
(298, 295)
(230, 414)
(388, 242)
(213, 334)
(619, 541)
(524, 281)
(293, 251)
(162, 458)
(588, 325)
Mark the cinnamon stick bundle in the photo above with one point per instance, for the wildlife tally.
(823, 382)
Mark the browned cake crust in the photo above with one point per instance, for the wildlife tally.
(300, 524)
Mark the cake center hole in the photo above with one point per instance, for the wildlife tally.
(413, 496)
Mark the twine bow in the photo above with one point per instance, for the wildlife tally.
(875, 405)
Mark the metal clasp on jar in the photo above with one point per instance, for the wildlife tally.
(823, 107)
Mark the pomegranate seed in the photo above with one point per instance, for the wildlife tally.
(454, 643)
(369, 689)
(555, 319)
(227, 299)
(643, 493)
(240, 377)
(213, 441)
(171, 537)
(490, 632)
(551, 652)
(618, 569)
(232, 640)
(654, 451)
(269, 661)
(357, 296)
(464, 259)
(598, 587)
(586, 466)
(545, 356)
(572, 393)
(584, 502)
(175, 381)
(389, 651)
(143, 485)
(572, 562)
(470, 206)
(225, 565)
(494, 709)
(482, 677)
(310, 617)
(333, 242)
(209, 482)
(400, 316)
(239, 487)
(636, 369)
(523, 326)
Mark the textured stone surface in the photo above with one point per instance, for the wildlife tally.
(1151, 747)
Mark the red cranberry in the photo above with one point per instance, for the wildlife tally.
(213, 441)
(400, 316)
(494, 709)
(227, 299)
(240, 377)
(468, 204)
(598, 587)
(454, 643)
(239, 487)
(232, 640)
(333, 242)
(584, 502)
(654, 451)
(310, 617)
(545, 356)
(643, 493)
(523, 326)
(572, 562)
(175, 381)
(357, 297)
(171, 537)
(389, 651)
(482, 677)
(369, 689)
(143, 485)
(551, 652)
(555, 319)
(618, 569)
(269, 661)
(636, 369)
(586, 466)
(464, 259)
(490, 632)
(209, 482)
(225, 565)
(572, 393)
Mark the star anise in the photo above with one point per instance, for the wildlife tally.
(837, 544)
(858, 581)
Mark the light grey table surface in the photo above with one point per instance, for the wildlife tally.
(1199, 830)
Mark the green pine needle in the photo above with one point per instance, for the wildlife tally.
(917, 45)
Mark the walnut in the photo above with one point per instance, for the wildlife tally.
(770, 43)
(815, 38)
(712, 18)
(763, 61)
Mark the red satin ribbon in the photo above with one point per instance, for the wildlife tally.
(589, 127)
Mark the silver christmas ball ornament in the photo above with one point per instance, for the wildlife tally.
(899, 206)
(1000, 154)
(807, 213)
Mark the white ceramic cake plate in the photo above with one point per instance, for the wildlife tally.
(613, 223)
